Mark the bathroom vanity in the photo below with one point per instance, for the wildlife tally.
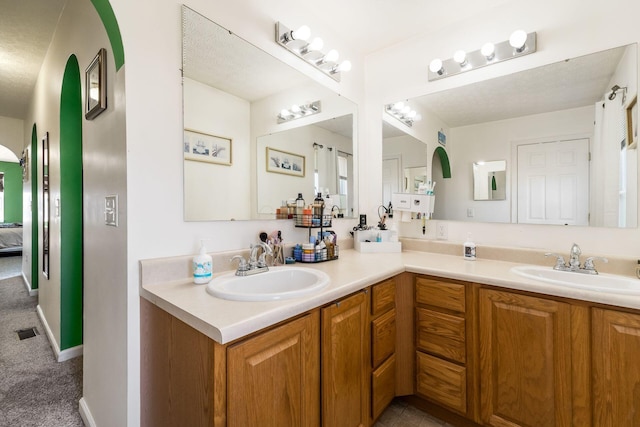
(471, 342)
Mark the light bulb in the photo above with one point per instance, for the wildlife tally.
(518, 39)
(488, 50)
(332, 56)
(302, 33)
(295, 109)
(345, 66)
(412, 114)
(460, 57)
(417, 117)
(405, 110)
(285, 113)
(316, 44)
(398, 106)
(436, 66)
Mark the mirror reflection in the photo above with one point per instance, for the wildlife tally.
(490, 180)
(560, 168)
(233, 95)
(326, 150)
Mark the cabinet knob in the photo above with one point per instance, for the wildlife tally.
(338, 304)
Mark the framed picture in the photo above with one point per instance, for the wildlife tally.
(203, 147)
(632, 123)
(96, 86)
(279, 161)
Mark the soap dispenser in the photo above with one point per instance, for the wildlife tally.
(202, 266)
(469, 249)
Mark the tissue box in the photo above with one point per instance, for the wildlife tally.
(386, 245)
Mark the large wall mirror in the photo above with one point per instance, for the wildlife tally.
(563, 130)
(233, 93)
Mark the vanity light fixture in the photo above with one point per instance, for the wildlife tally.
(298, 111)
(403, 112)
(296, 42)
(520, 43)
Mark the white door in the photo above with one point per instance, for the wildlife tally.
(390, 178)
(553, 182)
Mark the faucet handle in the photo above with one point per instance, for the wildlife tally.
(242, 264)
(560, 263)
(588, 263)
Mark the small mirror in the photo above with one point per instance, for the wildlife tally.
(490, 180)
(414, 178)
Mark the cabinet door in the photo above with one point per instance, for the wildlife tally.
(273, 378)
(525, 360)
(616, 371)
(345, 361)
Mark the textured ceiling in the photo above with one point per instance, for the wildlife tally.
(568, 84)
(214, 56)
(26, 29)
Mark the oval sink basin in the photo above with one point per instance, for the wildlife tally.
(276, 284)
(595, 282)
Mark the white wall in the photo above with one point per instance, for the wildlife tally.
(213, 190)
(80, 32)
(12, 135)
(567, 29)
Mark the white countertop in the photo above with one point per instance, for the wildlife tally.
(225, 321)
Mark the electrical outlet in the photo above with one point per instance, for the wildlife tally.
(441, 231)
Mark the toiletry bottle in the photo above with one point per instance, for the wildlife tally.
(318, 208)
(469, 249)
(202, 266)
(299, 209)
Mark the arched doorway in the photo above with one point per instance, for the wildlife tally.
(71, 221)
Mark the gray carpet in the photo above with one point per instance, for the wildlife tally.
(10, 266)
(35, 390)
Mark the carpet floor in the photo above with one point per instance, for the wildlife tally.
(10, 266)
(35, 390)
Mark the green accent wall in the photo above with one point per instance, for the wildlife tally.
(103, 7)
(444, 161)
(12, 191)
(35, 249)
(71, 248)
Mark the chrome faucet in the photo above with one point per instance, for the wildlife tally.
(255, 264)
(574, 261)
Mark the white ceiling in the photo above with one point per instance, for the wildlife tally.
(26, 29)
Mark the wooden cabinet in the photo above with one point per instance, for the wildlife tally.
(525, 360)
(616, 370)
(345, 359)
(383, 346)
(273, 379)
(443, 323)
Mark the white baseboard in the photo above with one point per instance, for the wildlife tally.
(85, 413)
(32, 292)
(63, 355)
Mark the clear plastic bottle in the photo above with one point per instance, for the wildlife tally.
(469, 249)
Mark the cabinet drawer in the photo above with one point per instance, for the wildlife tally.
(383, 337)
(383, 386)
(445, 295)
(383, 297)
(442, 382)
(441, 334)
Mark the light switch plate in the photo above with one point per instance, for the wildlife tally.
(111, 210)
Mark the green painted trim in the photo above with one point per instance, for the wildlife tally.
(103, 7)
(444, 161)
(71, 254)
(35, 249)
(12, 191)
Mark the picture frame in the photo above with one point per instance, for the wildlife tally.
(632, 123)
(96, 85)
(203, 147)
(279, 161)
